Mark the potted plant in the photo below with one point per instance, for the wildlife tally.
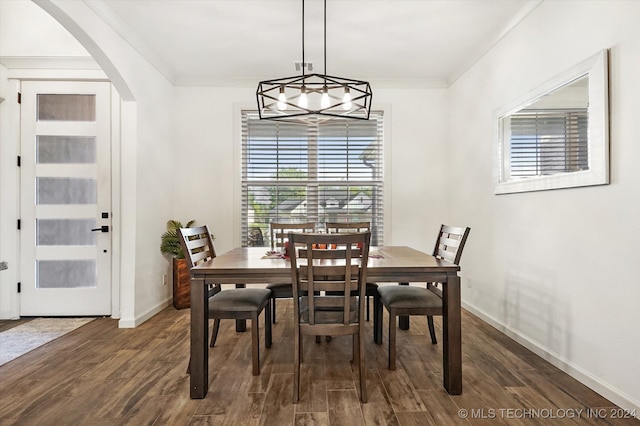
(170, 244)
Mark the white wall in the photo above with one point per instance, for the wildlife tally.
(416, 195)
(555, 269)
(29, 31)
(207, 154)
(146, 192)
(143, 160)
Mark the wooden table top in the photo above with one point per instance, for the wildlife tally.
(386, 263)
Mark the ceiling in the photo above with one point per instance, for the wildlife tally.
(226, 42)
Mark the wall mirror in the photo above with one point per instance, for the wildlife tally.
(557, 136)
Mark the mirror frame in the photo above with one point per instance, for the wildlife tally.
(596, 67)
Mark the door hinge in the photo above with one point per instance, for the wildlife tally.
(19, 224)
(19, 160)
(19, 97)
(19, 287)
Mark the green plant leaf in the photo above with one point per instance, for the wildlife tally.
(169, 240)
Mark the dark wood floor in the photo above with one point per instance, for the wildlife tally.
(102, 375)
(8, 324)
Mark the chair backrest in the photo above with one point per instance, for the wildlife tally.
(196, 244)
(322, 277)
(450, 242)
(346, 227)
(280, 231)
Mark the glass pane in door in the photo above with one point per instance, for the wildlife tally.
(66, 107)
(65, 232)
(50, 190)
(66, 273)
(65, 149)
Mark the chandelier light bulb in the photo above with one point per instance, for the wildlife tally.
(302, 102)
(282, 99)
(325, 101)
(346, 99)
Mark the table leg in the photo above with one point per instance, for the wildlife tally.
(452, 335)
(241, 325)
(199, 376)
(403, 321)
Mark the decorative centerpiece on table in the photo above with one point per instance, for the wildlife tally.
(170, 244)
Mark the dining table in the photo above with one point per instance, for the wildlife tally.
(387, 264)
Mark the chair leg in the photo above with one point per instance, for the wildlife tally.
(268, 335)
(392, 340)
(432, 330)
(363, 382)
(273, 310)
(297, 349)
(377, 319)
(214, 334)
(368, 299)
(255, 345)
(354, 348)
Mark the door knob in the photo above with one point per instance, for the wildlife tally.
(103, 228)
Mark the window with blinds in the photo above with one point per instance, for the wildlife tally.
(329, 171)
(548, 142)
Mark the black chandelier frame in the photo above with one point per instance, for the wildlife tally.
(344, 98)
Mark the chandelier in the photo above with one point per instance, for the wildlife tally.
(313, 97)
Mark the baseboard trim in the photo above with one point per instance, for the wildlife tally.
(608, 391)
(139, 319)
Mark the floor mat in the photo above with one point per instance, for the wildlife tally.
(24, 338)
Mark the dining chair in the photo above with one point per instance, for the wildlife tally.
(279, 237)
(407, 300)
(345, 227)
(324, 282)
(236, 303)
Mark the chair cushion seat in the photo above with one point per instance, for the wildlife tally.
(239, 299)
(404, 296)
(281, 290)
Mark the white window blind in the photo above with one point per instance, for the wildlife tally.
(548, 142)
(317, 172)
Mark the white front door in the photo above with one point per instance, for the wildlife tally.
(65, 253)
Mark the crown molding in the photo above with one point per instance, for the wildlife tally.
(49, 62)
(56, 68)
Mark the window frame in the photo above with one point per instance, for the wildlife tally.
(313, 183)
(596, 67)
